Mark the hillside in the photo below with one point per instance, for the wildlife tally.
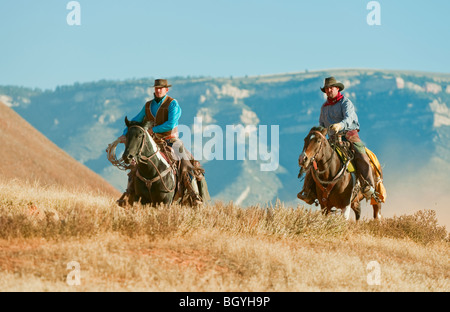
(404, 117)
(27, 155)
(221, 247)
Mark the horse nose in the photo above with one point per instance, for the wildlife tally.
(126, 158)
(301, 159)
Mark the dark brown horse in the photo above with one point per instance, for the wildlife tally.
(155, 179)
(335, 186)
(158, 173)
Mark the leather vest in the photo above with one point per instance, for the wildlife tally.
(162, 115)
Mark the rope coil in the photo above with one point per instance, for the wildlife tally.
(111, 154)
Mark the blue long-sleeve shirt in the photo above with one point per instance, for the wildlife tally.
(342, 112)
(172, 122)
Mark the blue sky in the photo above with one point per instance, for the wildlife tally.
(218, 38)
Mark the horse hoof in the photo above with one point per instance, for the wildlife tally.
(121, 203)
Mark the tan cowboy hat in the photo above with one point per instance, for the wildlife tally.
(332, 82)
(161, 83)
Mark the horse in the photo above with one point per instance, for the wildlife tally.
(155, 180)
(335, 186)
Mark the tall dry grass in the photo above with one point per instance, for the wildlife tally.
(218, 247)
(421, 227)
(57, 213)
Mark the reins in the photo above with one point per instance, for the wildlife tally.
(111, 155)
(148, 159)
(330, 184)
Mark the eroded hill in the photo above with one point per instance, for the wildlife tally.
(28, 155)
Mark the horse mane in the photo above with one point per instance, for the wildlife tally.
(320, 129)
(144, 124)
(317, 128)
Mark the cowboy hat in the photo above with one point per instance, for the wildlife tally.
(332, 82)
(161, 83)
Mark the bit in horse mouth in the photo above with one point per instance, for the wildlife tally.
(303, 161)
(129, 160)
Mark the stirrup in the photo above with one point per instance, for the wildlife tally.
(377, 198)
(368, 192)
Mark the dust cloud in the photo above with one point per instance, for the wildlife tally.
(415, 188)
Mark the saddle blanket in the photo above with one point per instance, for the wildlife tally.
(376, 168)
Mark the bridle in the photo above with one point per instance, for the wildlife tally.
(313, 161)
(315, 174)
(148, 159)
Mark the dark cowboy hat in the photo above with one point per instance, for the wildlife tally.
(161, 83)
(332, 82)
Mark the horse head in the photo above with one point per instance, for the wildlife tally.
(312, 147)
(136, 140)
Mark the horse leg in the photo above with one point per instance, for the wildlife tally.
(325, 210)
(166, 198)
(346, 212)
(377, 211)
(356, 206)
(145, 196)
(145, 201)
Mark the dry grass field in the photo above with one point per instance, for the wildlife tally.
(61, 231)
(45, 231)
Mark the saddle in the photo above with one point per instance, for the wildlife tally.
(346, 155)
(343, 149)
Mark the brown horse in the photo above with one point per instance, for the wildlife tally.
(335, 186)
(158, 178)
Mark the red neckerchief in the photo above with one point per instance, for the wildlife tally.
(334, 101)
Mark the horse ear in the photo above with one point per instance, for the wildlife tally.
(324, 131)
(127, 122)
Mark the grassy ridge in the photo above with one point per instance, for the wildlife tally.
(218, 247)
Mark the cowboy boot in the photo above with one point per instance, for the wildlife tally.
(363, 166)
(308, 193)
(368, 191)
(197, 200)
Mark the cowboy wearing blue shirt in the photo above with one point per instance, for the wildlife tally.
(163, 111)
(338, 114)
